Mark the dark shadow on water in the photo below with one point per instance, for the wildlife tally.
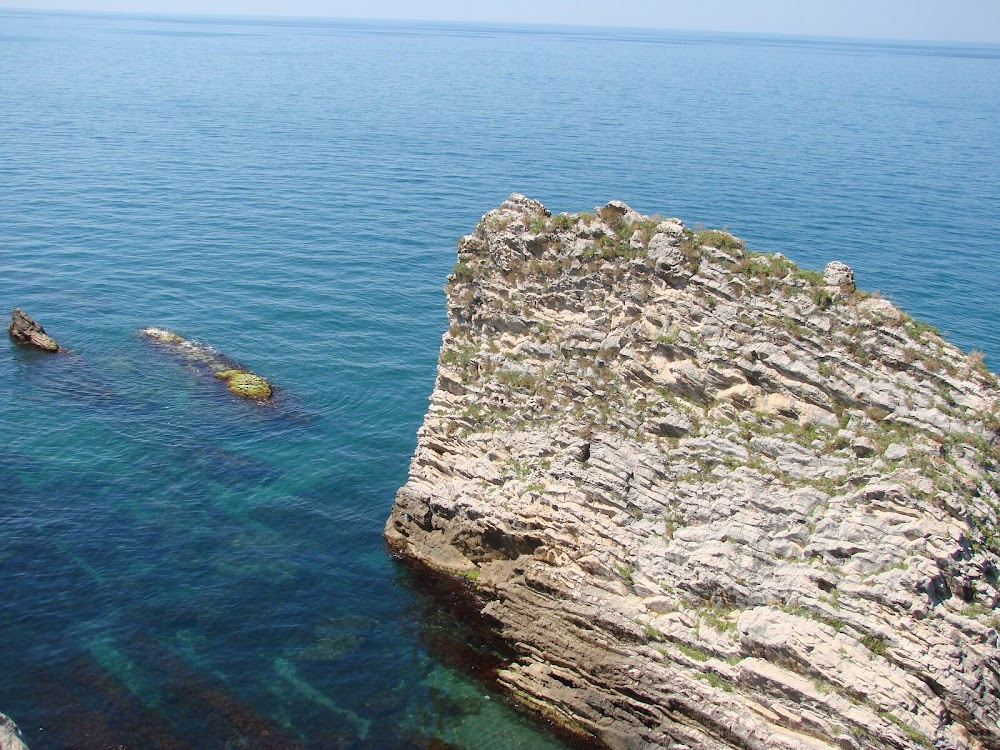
(224, 718)
(139, 686)
(233, 469)
(64, 374)
(454, 630)
(90, 710)
(79, 704)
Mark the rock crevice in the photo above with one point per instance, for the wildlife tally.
(713, 500)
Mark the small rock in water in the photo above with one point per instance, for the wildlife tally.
(10, 735)
(162, 334)
(240, 381)
(24, 330)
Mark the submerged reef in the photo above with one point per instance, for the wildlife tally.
(710, 499)
(26, 331)
(238, 379)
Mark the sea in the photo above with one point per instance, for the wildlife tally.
(183, 569)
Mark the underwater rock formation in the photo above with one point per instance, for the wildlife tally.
(711, 499)
(24, 330)
(246, 384)
(238, 379)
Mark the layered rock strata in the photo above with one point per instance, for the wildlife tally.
(711, 499)
(26, 331)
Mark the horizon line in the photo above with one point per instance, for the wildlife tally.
(487, 23)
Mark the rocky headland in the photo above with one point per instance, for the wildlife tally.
(711, 499)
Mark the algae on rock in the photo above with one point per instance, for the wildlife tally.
(245, 384)
(712, 499)
(238, 379)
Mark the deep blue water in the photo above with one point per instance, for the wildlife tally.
(290, 192)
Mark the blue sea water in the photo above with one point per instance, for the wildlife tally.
(182, 569)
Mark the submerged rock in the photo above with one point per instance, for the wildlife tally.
(246, 384)
(24, 330)
(238, 379)
(163, 335)
(712, 500)
(10, 735)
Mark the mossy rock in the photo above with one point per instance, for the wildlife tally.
(246, 384)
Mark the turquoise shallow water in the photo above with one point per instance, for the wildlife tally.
(182, 569)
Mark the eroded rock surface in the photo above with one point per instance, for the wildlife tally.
(711, 499)
(24, 330)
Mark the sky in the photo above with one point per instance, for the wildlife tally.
(940, 20)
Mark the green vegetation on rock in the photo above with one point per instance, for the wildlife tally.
(677, 452)
(246, 384)
(209, 362)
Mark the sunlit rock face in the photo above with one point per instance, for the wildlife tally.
(712, 500)
(28, 332)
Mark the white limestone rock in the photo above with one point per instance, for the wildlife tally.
(839, 275)
(10, 735)
(711, 503)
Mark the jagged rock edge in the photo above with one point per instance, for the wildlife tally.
(551, 510)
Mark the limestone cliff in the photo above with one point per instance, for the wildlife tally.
(711, 499)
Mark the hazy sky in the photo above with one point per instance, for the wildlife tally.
(946, 20)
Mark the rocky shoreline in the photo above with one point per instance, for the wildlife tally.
(710, 499)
